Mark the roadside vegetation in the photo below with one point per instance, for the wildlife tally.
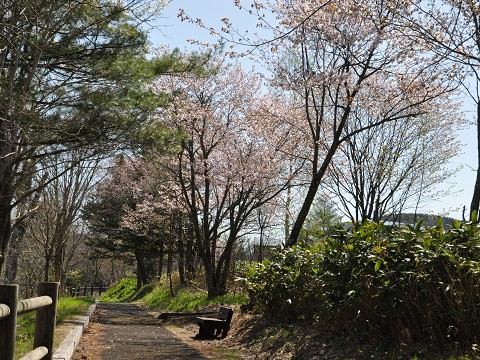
(413, 288)
(122, 290)
(67, 308)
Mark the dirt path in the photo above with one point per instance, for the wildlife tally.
(120, 331)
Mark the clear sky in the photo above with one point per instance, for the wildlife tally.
(175, 33)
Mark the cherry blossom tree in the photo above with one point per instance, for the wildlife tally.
(330, 57)
(125, 218)
(225, 169)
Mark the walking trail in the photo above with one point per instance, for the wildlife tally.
(121, 331)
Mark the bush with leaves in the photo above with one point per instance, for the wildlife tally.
(413, 284)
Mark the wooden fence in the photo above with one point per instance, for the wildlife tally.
(46, 307)
(86, 290)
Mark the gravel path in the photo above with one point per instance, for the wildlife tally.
(120, 331)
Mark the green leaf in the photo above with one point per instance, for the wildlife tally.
(439, 221)
(474, 216)
(427, 244)
(378, 264)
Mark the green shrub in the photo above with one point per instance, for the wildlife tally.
(122, 290)
(414, 284)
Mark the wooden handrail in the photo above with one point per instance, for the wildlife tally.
(87, 290)
(4, 311)
(27, 305)
(46, 307)
(36, 354)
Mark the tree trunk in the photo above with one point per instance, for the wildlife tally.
(190, 255)
(181, 250)
(57, 259)
(219, 277)
(16, 241)
(46, 269)
(139, 276)
(5, 231)
(314, 184)
(141, 271)
(214, 285)
(160, 261)
(287, 214)
(181, 262)
(302, 215)
(170, 257)
(474, 206)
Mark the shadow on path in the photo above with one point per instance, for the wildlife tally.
(128, 332)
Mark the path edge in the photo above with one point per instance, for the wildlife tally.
(67, 347)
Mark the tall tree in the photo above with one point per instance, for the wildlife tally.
(61, 63)
(74, 175)
(384, 170)
(329, 57)
(127, 221)
(224, 169)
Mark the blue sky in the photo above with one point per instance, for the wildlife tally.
(173, 32)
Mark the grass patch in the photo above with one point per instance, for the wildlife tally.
(70, 307)
(186, 300)
(123, 290)
(227, 353)
(66, 309)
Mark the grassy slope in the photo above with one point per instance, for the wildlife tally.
(67, 308)
(187, 300)
(123, 290)
(158, 296)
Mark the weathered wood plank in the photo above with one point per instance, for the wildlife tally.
(36, 354)
(4, 311)
(180, 314)
(8, 326)
(27, 305)
(45, 320)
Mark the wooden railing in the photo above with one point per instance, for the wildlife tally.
(46, 307)
(86, 290)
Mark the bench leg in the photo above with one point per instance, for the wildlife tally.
(225, 332)
(201, 331)
(205, 331)
(209, 331)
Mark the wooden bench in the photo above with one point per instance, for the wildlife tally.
(212, 327)
(165, 316)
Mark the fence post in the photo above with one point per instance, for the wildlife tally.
(45, 320)
(8, 326)
(100, 292)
